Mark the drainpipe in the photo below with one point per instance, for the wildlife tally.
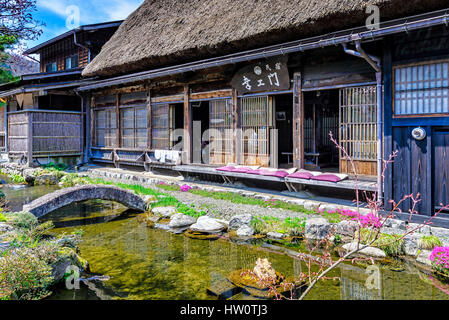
(375, 62)
(81, 46)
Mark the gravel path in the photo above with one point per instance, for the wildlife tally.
(224, 209)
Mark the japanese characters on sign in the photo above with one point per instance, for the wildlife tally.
(271, 74)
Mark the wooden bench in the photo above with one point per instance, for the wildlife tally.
(344, 184)
(231, 177)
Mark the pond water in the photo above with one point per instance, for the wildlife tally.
(145, 263)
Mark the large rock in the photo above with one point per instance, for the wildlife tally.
(30, 175)
(317, 229)
(239, 221)
(368, 251)
(346, 228)
(207, 224)
(67, 258)
(4, 246)
(165, 212)
(4, 227)
(440, 232)
(411, 244)
(424, 257)
(276, 235)
(395, 223)
(46, 180)
(180, 220)
(245, 231)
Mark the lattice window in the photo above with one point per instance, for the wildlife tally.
(220, 125)
(105, 127)
(421, 89)
(160, 126)
(358, 122)
(256, 121)
(134, 127)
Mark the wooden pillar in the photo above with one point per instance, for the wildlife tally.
(117, 129)
(298, 122)
(30, 139)
(93, 141)
(117, 120)
(237, 135)
(6, 125)
(149, 126)
(87, 126)
(187, 139)
(388, 129)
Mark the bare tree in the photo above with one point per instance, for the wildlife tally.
(319, 262)
(16, 19)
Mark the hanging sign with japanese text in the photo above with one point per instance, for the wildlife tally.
(271, 74)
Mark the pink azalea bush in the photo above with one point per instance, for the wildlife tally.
(185, 188)
(368, 220)
(440, 259)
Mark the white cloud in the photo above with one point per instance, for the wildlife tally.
(94, 11)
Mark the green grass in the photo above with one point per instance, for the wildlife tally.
(239, 199)
(264, 224)
(429, 242)
(390, 243)
(15, 178)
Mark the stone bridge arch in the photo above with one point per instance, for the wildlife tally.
(61, 198)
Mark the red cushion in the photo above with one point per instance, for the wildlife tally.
(327, 177)
(227, 168)
(301, 175)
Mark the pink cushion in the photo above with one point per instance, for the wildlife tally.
(301, 175)
(327, 177)
(241, 170)
(278, 173)
(226, 169)
(257, 171)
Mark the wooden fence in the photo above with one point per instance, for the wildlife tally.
(44, 133)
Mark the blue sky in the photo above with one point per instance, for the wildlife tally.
(54, 14)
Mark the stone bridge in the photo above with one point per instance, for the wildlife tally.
(58, 199)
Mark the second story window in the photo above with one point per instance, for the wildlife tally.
(51, 67)
(71, 62)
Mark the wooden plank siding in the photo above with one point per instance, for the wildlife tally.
(45, 133)
(61, 50)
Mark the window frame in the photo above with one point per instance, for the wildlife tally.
(393, 90)
(135, 128)
(111, 129)
(71, 58)
(54, 63)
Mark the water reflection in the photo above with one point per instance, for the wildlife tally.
(153, 264)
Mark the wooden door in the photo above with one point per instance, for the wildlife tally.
(440, 170)
(358, 129)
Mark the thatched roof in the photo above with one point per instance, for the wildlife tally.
(167, 32)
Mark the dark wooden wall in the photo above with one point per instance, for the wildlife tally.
(420, 167)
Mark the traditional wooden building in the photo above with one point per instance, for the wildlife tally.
(43, 117)
(246, 86)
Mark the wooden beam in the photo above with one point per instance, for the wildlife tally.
(298, 122)
(187, 139)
